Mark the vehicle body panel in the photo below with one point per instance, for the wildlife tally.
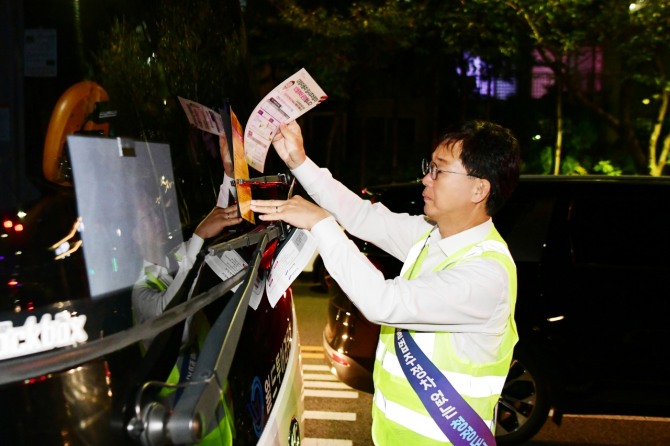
(91, 378)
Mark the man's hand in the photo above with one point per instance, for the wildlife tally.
(289, 145)
(216, 220)
(295, 211)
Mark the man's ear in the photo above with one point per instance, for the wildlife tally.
(481, 191)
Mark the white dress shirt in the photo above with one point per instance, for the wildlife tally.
(148, 302)
(470, 300)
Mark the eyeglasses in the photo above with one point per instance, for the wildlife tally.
(429, 166)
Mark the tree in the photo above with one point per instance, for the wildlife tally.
(190, 48)
(401, 52)
(634, 41)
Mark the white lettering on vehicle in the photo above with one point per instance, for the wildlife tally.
(49, 333)
(277, 371)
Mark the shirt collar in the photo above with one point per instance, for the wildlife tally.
(449, 245)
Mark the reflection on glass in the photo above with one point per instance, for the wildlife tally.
(128, 209)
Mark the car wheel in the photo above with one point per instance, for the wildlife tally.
(524, 404)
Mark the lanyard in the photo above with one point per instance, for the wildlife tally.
(414, 270)
(453, 415)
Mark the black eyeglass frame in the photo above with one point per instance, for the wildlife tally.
(431, 167)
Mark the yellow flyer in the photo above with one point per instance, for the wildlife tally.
(241, 171)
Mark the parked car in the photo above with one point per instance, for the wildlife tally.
(592, 258)
(317, 272)
(77, 367)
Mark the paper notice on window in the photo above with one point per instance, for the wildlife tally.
(257, 291)
(289, 263)
(289, 100)
(202, 117)
(226, 265)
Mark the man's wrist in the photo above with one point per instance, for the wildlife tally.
(296, 163)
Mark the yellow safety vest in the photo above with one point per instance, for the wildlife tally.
(224, 433)
(479, 384)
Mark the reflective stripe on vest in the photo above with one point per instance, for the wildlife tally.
(399, 417)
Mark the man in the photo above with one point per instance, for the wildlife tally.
(156, 286)
(457, 288)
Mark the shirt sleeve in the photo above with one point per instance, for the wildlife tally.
(372, 222)
(155, 288)
(469, 298)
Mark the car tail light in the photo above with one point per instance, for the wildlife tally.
(268, 254)
(8, 224)
(339, 359)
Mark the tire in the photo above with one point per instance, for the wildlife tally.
(525, 401)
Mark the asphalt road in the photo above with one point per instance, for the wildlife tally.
(353, 428)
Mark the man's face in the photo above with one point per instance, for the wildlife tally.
(450, 194)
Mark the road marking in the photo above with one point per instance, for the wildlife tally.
(311, 348)
(325, 415)
(325, 385)
(316, 367)
(312, 352)
(319, 377)
(619, 417)
(331, 393)
(325, 442)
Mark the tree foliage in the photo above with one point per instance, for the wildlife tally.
(634, 41)
(344, 42)
(190, 48)
(408, 55)
(348, 43)
(185, 49)
(414, 52)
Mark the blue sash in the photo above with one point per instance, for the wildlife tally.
(454, 416)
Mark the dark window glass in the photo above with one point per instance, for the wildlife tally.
(524, 221)
(621, 227)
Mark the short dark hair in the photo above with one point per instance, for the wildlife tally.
(489, 151)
